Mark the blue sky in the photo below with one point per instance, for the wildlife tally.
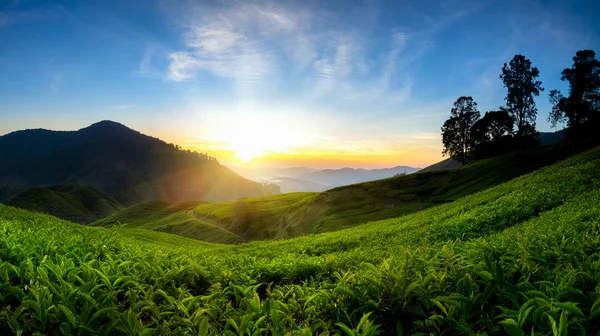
(321, 83)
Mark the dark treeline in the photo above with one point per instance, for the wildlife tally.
(466, 135)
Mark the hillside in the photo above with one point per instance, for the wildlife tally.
(519, 258)
(296, 214)
(75, 203)
(176, 218)
(121, 162)
(448, 163)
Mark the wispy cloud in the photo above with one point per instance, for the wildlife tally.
(319, 53)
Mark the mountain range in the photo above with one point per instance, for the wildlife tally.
(309, 179)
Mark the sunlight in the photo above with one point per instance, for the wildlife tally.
(255, 138)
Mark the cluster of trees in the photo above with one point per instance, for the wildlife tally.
(466, 134)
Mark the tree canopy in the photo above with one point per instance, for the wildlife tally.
(456, 131)
(581, 107)
(520, 79)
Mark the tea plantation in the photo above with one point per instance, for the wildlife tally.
(520, 258)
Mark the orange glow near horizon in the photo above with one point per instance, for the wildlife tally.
(318, 158)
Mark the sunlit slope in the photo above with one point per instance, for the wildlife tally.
(76, 203)
(176, 218)
(520, 258)
(297, 214)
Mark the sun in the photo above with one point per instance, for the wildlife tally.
(256, 138)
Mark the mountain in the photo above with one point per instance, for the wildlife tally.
(75, 203)
(128, 165)
(298, 179)
(520, 258)
(551, 138)
(339, 177)
(290, 184)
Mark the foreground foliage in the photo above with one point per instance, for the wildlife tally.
(520, 258)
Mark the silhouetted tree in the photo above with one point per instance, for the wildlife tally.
(492, 134)
(492, 127)
(456, 131)
(581, 108)
(519, 78)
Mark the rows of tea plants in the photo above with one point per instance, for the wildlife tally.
(521, 258)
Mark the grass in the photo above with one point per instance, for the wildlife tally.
(296, 214)
(170, 217)
(76, 203)
(520, 258)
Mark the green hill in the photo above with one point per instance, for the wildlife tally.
(296, 214)
(76, 203)
(176, 218)
(520, 258)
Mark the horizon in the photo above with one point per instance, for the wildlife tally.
(269, 84)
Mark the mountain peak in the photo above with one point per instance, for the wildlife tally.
(106, 125)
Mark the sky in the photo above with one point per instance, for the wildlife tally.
(324, 84)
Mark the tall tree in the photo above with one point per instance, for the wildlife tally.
(456, 131)
(582, 106)
(492, 134)
(520, 79)
(492, 127)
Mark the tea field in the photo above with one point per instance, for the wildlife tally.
(520, 258)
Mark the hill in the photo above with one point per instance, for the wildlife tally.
(176, 218)
(123, 163)
(544, 139)
(296, 214)
(75, 203)
(448, 163)
(520, 258)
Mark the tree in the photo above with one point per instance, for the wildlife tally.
(519, 77)
(492, 134)
(582, 106)
(456, 131)
(492, 127)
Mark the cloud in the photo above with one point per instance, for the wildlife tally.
(318, 53)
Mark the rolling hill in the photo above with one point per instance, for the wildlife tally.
(75, 203)
(121, 162)
(296, 214)
(176, 218)
(519, 258)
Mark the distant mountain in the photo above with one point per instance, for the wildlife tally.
(345, 176)
(119, 161)
(75, 203)
(297, 179)
(551, 138)
(290, 184)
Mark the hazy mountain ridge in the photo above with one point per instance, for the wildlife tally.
(297, 179)
(119, 161)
